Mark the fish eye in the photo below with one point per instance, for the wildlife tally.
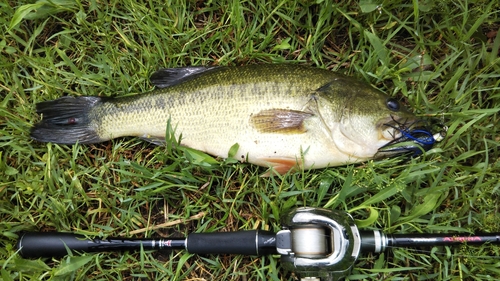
(392, 104)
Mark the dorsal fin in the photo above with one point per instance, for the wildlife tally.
(167, 77)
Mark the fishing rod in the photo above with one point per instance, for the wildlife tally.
(314, 243)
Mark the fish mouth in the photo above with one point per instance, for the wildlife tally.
(411, 137)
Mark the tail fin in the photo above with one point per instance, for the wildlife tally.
(66, 121)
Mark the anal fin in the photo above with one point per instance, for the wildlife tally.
(281, 165)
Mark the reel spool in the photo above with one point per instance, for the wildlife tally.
(317, 243)
(309, 241)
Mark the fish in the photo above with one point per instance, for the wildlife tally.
(284, 117)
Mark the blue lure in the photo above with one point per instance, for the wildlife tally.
(419, 139)
(421, 136)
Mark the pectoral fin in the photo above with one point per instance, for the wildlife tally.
(280, 121)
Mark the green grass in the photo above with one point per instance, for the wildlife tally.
(441, 58)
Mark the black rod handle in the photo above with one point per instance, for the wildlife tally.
(57, 244)
(252, 242)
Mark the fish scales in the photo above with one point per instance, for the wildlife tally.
(283, 116)
(201, 109)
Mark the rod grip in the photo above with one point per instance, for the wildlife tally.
(50, 244)
(253, 242)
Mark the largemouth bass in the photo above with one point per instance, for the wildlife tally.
(281, 116)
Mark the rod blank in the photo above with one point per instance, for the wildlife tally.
(413, 240)
(376, 242)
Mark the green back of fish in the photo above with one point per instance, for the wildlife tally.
(218, 97)
(223, 95)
